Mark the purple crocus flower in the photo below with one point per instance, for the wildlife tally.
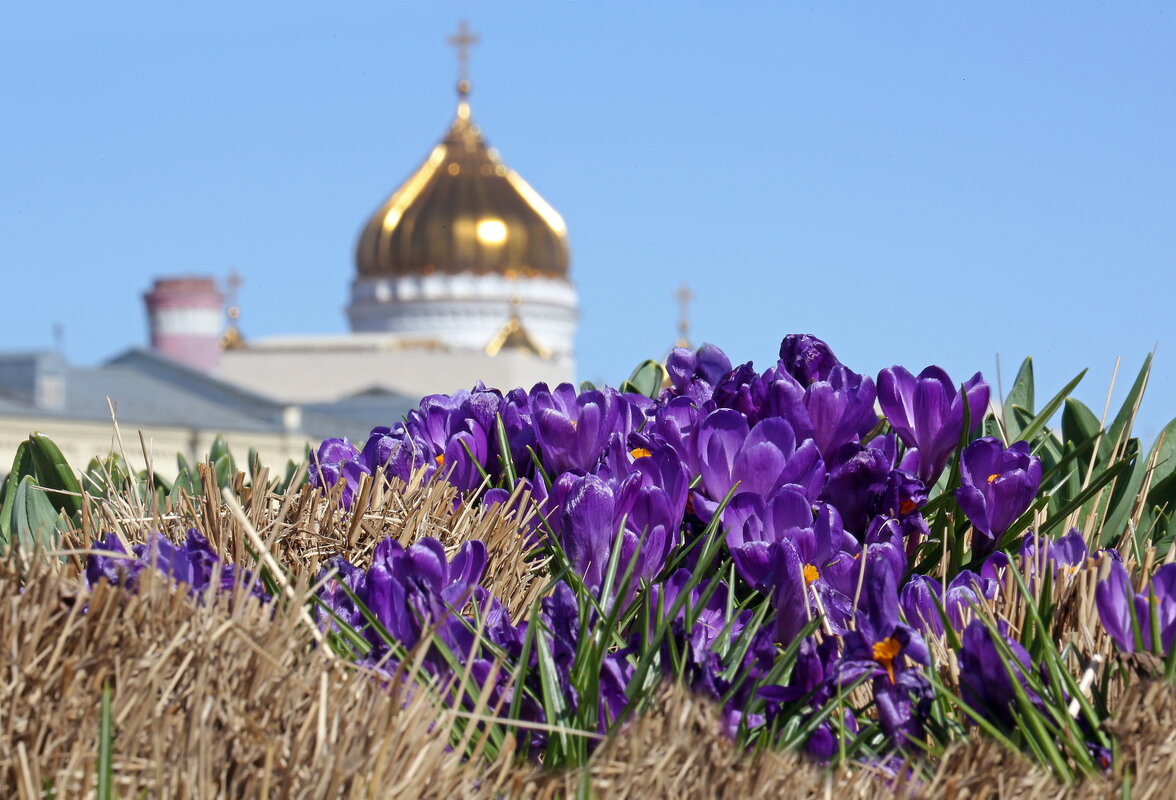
(710, 620)
(1038, 553)
(812, 681)
(398, 452)
(466, 455)
(856, 482)
(120, 569)
(572, 429)
(615, 672)
(752, 530)
(382, 448)
(902, 706)
(1156, 606)
(879, 648)
(337, 460)
(1067, 552)
(840, 408)
(806, 358)
(1116, 599)
(560, 617)
(328, 460)
(927, 412)
(587, 528)
(481, 405)
(919, 596)
(450, 436)
(193, 563)
(984, 677)
(642, 514)
(409, 589)
(880, 642)
(761, 459)
(804, 585)
(745, 390)
(515, 411)
(903, 495)
(694, 374)
(998, 485)
(676, 422)
(654, 509)
(790, 596)
(339, 594)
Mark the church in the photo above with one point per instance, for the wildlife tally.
(461, 275)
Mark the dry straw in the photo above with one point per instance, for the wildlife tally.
(223, 697)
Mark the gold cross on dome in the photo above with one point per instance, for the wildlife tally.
(462, 41)
(683, 296)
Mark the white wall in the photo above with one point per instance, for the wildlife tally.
(81, 441)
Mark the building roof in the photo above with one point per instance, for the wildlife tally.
(148, 389)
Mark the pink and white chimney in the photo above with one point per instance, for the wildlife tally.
(185, 317)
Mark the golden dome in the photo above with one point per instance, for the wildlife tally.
(464, 211)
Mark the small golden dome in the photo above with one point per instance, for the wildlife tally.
(463, 211)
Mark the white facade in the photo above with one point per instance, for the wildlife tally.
(324, 369)
(465, 312)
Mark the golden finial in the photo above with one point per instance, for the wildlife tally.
(232, 338)
(683, 296)
(462, 41)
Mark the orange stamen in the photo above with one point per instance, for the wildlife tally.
(811, 573)
(885, 652)
(639, 452)
(993, 477)
(906, 506)
(440, 459)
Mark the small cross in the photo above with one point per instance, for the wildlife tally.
(462, 41)
(683, 296)
(233, 283)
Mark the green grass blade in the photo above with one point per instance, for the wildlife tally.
(106, 747)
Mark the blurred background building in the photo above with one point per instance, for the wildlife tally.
(462, 275)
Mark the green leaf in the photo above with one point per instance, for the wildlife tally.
(505, 457)
(34, 519)
(218, 450)
(1163, 455)
(107, 475)
(1019, 421)
(1093, 488)
(254, 465)
(1079, 424)
(22, 465)
(1121, 426)
(1021, 394)
(1159, 513)
(1051, 408)
(148, 478)
(55, 475)
(647, 379)
(1081, 433)
(225, 470)
(1122, 500)
(293, 479)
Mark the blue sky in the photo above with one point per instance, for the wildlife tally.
(915, 183)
